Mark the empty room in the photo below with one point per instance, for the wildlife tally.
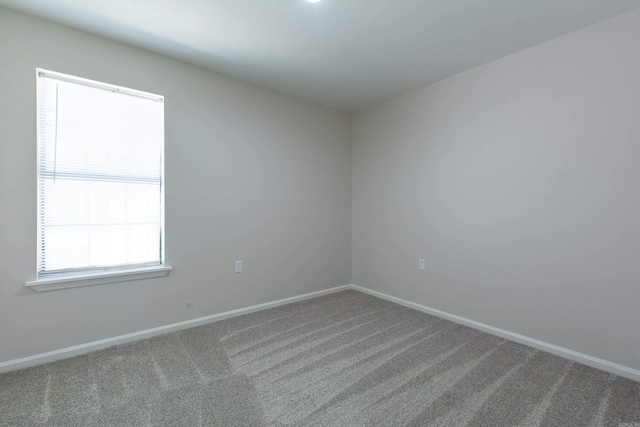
(320, 213)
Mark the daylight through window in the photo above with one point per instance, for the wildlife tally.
(100, 176)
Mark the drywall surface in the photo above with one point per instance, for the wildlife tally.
(250, 174)
(519, 183)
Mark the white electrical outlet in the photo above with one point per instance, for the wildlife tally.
(239, 266)
(189, 305)
(420, 264)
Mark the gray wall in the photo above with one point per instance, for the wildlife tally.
(519, 182)
(250, 174)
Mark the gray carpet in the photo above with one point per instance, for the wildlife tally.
(346, 359)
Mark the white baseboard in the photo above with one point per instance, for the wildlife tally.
(78, 350)
(585, 359)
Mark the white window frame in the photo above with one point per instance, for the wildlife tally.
(108, 275)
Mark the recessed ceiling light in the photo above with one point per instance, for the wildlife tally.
(314, 1)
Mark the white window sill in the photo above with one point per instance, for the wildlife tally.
(74, 281)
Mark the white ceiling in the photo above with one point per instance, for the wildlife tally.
(345, 54)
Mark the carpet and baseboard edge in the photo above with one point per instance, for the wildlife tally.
(77, 350)
(585, 359)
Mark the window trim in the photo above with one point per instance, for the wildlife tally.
(80, 278)
(64, 281)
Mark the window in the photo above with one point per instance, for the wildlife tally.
(100, 182)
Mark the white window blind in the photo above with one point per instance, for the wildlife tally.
(100, 176)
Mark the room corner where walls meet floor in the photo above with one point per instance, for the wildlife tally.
(68, 352)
